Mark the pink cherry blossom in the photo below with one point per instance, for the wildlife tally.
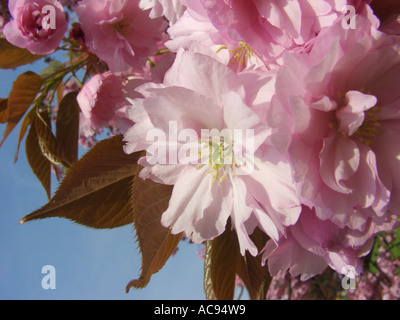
(120, 33)
(267, 28)
(342, 149)
(32, 27)
(103, 101)
(172, 10)
(312, 244)
(201, 93)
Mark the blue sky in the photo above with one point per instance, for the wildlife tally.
(89, 264)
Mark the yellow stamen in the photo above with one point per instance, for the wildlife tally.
(242, 53)
(219, 152)
(369, 128)
(121, 26)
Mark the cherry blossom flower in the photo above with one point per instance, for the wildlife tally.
(266, 28)
(34, 27)
(312, 244)
(103, 102)
(199, 93)
(342, 149)
(172, 10)
(120, 33)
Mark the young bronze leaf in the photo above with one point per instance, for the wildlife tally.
(40, 165)
(224, 253)
(156, 242)
(255, 277)
(22, 94)
(96, 190)
(49, 144)
(28, 120)
(12, 56)
(207, 282)
(67, 126)
(3, 110)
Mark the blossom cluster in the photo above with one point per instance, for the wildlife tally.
(315, 81)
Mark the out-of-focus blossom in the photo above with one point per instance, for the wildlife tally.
(313, 244)
(103, 101)
(120, 33)
(38, 26)
(379, 281)
(269, 28)
(76, 33)
(382, 281)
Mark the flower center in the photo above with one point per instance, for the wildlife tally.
(358, 116)
(242, 54)
(217, 153)
(33, 22)
(369, 128)
(121, 27)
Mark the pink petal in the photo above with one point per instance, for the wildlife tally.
(340, 158)
(190, 197)
(240, 214)
(351, 116)
(215, 216)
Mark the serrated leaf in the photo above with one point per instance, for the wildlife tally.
(49, 144)
(255, 277)
(95, 192)
(28, 119)
(156, 243)
(224, 253)
(39, 164)
(22, 95)
(67, 126)
(3, 110)
(12, 56)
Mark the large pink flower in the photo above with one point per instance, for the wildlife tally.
(199, 93)
(269, 28)
(38, 26)
(120, 32)
(344, 100)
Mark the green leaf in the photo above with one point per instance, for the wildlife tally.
(156, 243)
(394, 246)
(22, 95)
(53, 67)
(12, 56)
(95, 192)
